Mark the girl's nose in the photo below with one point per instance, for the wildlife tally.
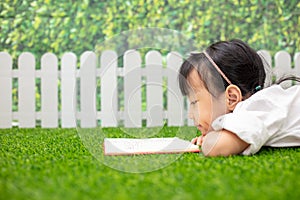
(191, 116)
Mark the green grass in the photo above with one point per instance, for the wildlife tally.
(55, 164)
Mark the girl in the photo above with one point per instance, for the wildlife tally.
(228, 104)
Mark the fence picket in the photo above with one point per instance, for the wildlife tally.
(49, 89)
(283, 66)
(26, 85)
(267, 61)
(6, 90)
(297, 65)
(88, 111)
(174, 97)
(68, 90)
(132, 89)
(109, 89)
(154, 89)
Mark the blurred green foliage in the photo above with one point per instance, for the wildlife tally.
(57, 26)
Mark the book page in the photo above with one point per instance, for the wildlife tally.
(128, 146)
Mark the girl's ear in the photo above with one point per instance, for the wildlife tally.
(233, 96)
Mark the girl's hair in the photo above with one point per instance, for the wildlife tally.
(238, 61)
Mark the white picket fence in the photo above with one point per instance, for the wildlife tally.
(69, 94)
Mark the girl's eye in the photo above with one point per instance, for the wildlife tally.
(194, 102)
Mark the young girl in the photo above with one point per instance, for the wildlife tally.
(228, 104)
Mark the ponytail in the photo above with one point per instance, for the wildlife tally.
(288, 78)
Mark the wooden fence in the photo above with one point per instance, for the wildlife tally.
(96, 91)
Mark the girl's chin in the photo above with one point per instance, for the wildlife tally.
(206, 131)
(202, 130)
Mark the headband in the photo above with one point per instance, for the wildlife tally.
(217, 68)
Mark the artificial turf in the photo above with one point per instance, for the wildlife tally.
(57, 164)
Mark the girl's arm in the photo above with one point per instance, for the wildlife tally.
(222, 143)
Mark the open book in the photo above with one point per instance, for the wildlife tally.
(128, 146)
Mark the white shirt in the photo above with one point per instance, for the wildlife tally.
(270, 117)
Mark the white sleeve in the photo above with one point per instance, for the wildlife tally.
(252, 121)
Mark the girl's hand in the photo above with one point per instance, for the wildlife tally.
(222, 143)
(198, 140)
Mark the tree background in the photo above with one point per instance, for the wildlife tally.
(61, 26)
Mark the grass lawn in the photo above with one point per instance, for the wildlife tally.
(55, 164)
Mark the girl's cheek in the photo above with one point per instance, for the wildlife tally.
(198, 112)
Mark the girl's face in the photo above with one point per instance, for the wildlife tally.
(204, 108)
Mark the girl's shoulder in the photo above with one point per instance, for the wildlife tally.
(278, 90)
(270, 97)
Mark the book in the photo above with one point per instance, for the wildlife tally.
(129, 146)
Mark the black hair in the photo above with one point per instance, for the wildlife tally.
(237, 60)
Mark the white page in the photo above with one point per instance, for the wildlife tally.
(128, 146)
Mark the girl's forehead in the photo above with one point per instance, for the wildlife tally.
(194, 80)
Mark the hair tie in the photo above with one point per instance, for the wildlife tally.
(257, 88)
